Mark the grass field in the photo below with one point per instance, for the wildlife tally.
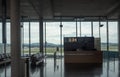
(36, 50)
(111, 48)
(53, 49)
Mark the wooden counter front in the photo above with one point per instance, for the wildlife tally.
(83, 56)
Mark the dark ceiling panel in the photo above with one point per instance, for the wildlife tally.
(69, 8)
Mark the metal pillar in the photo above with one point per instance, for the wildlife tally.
(99, 28)
(119, 41)
(92, 28)
(15, 38)
(80, 27)
(61, 37)
(4, 38)
(107, 35)
(107, 31)
(61, 42)
(4, 24)
(22, 37)
(41, 34)
(119, 35)
(45, 38)
(22, 48)
(42, 71)
(29, 39)
(76, 28)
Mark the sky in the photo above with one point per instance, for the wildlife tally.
(68, 30)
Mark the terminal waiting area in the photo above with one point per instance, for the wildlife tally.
(81, 58)
(59, 38)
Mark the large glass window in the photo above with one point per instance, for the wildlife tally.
(34, 37)
(69, 29)
(26, 32)
(78, 28)
(25, 37)
(86, 29)
(113, 38)
(96, 29)
(52, 36)
(8, 37)
(103, 35)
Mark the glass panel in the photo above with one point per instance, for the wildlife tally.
(8, 38)
(96, 29)
(69, 29)
(86, 29)
(52, 37)
(26, 37)
(103, 33)
(78, 29)
(34, 37)
(113, 38)
(44, 37)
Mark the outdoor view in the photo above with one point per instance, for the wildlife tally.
(53, 35)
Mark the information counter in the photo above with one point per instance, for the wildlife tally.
(83, 57)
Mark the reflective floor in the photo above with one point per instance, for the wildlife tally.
(56, 68)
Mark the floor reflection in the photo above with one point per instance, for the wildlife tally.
(56, 68)
(83, 70)
(51, 68)
(5, 70)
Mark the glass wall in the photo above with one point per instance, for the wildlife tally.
(85, 29)
(69, 29)
(103, 35)
(25, 35)
(8, 44)
(96, 29)
(34, 37)
(52, 37)
(113, 36)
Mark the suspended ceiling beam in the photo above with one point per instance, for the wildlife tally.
(47, 6)
(113, 9)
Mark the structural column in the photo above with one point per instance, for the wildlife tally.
(4, 38)
(61, 37)
(119, 37)
(119, 34)
(76, 28)
(107, 29)
(99, 28)
(41, 34)
(119, 40)
(15, 38)
(92, 28)
(22, 39)
(29, 38)
(4, 8)
(80, 27)
(45, 38)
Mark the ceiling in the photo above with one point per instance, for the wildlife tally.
(53, 9)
